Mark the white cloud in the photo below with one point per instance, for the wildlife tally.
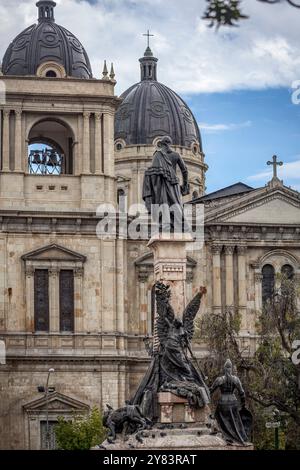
(262, 52)
(213, 128)
(289, 171)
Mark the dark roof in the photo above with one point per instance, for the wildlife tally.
(151, 109)
(43, 42)
(232, 190)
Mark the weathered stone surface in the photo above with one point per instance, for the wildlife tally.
(171, 439)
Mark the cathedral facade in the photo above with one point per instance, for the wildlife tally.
(82, 304)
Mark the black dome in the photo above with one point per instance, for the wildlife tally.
(150, 109)
(46, 42)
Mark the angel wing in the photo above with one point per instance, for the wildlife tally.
(190, 313)
(164, 311)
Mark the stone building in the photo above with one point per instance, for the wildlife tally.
(69, 299)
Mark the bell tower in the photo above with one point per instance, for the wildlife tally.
(57, 133)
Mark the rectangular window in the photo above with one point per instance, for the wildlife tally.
(48, 438)
(66, 300)
(41, 300)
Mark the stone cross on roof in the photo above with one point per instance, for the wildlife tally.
(275, 164)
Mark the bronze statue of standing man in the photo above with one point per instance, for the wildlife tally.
(162, 192)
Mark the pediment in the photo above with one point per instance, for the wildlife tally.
(53, 253)
(147, 260)
(56, 402)
(280, 207)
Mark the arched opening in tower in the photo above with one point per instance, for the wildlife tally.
(50, 148)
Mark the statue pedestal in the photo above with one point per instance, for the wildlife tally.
(174, 409)
(169, 252)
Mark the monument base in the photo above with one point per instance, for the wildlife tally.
(182, 437)
(181, 427)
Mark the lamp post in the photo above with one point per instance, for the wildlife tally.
(47, 409)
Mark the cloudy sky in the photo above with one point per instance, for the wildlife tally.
(237, 81)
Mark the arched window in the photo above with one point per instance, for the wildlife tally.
(195, 194)
(50, 149)
(51, 74)
(268, 282)
(287, 271)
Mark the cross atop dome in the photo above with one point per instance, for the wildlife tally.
(148, 62)
(148, 38)
(46, 10)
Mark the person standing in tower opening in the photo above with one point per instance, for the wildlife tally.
(162, 192)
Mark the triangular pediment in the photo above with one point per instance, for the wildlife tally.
(280, 206)
(147, 260)
(56, 402)
(53, 253)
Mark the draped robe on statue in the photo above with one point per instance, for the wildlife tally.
(161, 187)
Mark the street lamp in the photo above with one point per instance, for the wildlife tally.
(47, 409)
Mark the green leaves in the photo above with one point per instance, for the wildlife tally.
(223, 13)
(229, 13)
(80, 433)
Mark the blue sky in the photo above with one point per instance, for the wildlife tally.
(242, 130)
(237, 81)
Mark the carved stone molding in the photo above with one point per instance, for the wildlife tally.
(86, 115)
(29, 271)
(78, 272)
(53, 272)
(216, 249)
(241, 250)
(258, 277)
(144, 272)
(229, 250)
(18, 113)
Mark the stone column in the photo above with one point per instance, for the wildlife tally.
(86, 143)
(242, 250)
(216, 266)
(108, 123)
(78, 154)
(98, 143)
(258, 291)
(18, 140)
(6, 143)
(54, 323)
(229, 276)
(78, 306)
(121, 293)
(3, 274)
(170, 266)
(29, 320)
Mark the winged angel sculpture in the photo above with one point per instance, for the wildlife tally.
(172, 368)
